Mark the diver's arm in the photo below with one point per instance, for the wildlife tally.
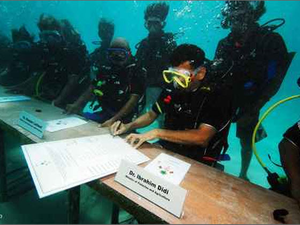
(290, 159)
(124, 111)
(81, 101)
(144, 120)
(67, 90)
(200, 136)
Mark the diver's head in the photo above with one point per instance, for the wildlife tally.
(4, 41)
(106, 30)
(187, 69)
(119, 52)
(50, 30)
(48, 22)
(239, 16)
(155, 16)
(22, 39)
(21, 34)
(69, 33)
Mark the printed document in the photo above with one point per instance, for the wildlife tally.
(17, 98)
(60, 165)
(61, 124)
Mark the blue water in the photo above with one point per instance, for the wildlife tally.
(199, 21)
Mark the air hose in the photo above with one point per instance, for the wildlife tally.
(259, 123)
(38, 83)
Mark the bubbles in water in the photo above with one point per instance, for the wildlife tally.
(135, 4)
(3, 9)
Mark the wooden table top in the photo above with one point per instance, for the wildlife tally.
(213, 196)
(9, 116)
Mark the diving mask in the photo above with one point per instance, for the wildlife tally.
(118, 54)
(180, 76)
(154, 23)
(21, 45)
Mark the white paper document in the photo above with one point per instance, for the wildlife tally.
(60, 165)
(17, 98)
(168, 168)
(61, 124)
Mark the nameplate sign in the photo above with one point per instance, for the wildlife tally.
(155, 189)
(32, 124)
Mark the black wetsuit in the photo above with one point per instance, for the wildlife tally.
(153, 54)
(188, 110)
(117, 84)
(257, 69)
(98, 57)
(293, 134)
(58, 63)
(20, 62)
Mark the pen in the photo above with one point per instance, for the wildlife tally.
(117, 129)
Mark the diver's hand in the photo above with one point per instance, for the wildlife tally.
(73, 109)
(14, 90)
(136, 140)
(118, 128)
(107, 123)
(57, 103)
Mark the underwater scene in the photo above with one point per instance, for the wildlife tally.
(85, 40)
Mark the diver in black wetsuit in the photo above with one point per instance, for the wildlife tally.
(18, 58)
(154, 51)
(60, 64)
(118, 87)
(289, 149)
(98, 57)
(197, 113)
(256, 61)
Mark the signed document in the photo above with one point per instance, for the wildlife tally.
(60, 165)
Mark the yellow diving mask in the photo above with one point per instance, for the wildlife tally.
(182, 77)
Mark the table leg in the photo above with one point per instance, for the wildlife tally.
(3, 181)
(74, 205)
(115, 214)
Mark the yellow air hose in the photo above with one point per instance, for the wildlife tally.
(37, 87)
(260, 121)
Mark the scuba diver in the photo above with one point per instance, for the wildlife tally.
(154, 51)
(289, 149)
(69, 33)
(256, 61)
(60, 64)
(18, 58)
(118, 89)
(197, 115)
(98, 57)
